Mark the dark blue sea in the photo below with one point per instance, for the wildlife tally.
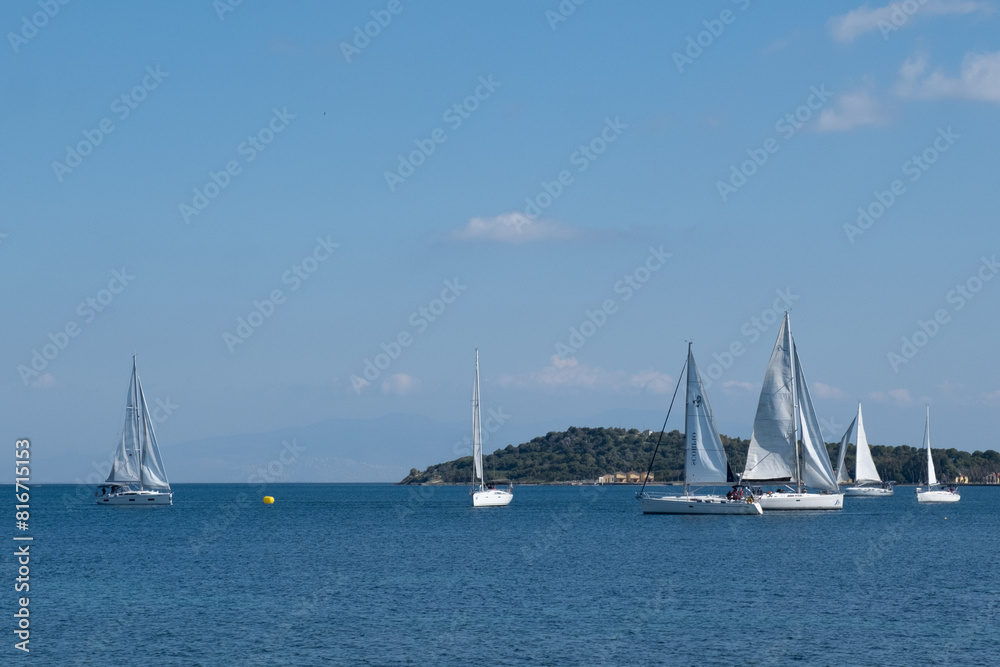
(386, 575)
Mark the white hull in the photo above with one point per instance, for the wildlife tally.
(492, 498)
(801, 501)
(939, 496)
(137, 498)
(696, 505)
(867, 491)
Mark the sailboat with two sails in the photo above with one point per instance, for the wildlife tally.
(867, 482)
(137, 476)
(483, 494)
(931, 494)
(787, 446)
(705, 461)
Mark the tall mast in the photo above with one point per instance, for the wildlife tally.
(139, 423)
(477, 435)
(687, 425)
(795, 409)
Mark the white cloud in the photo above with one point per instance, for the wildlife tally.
(992, 397)
(400, 384)
(569, 373)
(900, 397)
(44, 381)
(887, 19)
(739, 384)
(513, 227)
(979, 79)
(826, 391)
(850, 110)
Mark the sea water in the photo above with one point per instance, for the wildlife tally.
(387, 575)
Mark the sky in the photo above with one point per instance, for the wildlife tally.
(302, 212)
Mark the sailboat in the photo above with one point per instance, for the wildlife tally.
(483, 494)
(705, 462)
(787, 444)
(865, 474)
(932, 495)
(137, 476)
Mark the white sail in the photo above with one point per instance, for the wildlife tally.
(815, 459)
(771, 456)
(931, 477)
(125, 466)
(842, 477)
(477, 435)
(864, 467)
(153, 475)
(705, 461)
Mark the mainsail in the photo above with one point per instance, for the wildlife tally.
(864, 469)
(771, 457)
(842, 476)
(137, 458)
(477, 435)
(705, 461)
(931, 477)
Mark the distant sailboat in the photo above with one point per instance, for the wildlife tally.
(705, 462)
(787, 444)
(865, 475)
(137, 476)
(483, 494)
(932, 495)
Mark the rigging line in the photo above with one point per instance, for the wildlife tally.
(658, 439)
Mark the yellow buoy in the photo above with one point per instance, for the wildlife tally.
(268, 500)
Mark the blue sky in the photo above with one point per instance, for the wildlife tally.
(212, 157)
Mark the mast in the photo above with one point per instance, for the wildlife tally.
(135, 414)
(687, 419)
(795, 410)
(477, 436)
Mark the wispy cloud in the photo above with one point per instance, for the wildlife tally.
(900, 397)
(978, 79)
(857, 108)
(826, 391)
(513, 227)
(569, 373)
(44, 381)
(848, 27)
(741, 385)
(400, 384)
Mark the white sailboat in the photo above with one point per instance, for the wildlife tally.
(483, 494)
(866, 477)
(787, 445)
(137, 476)
(931, 494)
(705, 462)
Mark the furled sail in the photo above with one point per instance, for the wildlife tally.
(125, 466)
(477, 435)
(864, 469)
(771, 456)
(705, 459)
(931, 477)
(842, 476)
(815, 459)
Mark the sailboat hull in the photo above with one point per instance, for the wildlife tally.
(136, 498)
(939, 496)
(867, 491)
(696, 505)
(492, 498)
(801, 501)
